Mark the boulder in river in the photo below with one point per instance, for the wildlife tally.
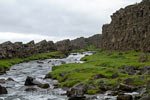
(30, 89)
(48, 76)
(3, 90)
(44, 86)
(31, 81)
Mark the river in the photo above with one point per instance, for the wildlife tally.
(37, 69)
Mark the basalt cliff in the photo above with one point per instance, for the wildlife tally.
(129, 29)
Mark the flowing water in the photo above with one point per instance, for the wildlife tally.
(37, 69)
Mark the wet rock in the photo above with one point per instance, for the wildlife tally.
(30, 89)
(31, 81)
(115, 75)
(143, 58)
(63, 62)
(147, 97)
(2, 80)
(124, 97)
(44, 86)
(10, 79)
(3, 90)
(77, 98)
(40, 62)
(48, 76)
(126, 88)
(98, 76)
(40, 66)
(77, 90)
(92, 98)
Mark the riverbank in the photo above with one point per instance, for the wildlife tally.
(5, 64)
(120, 72)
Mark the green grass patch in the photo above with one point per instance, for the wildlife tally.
(100, 63)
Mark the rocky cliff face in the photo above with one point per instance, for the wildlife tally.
(83, 43)
(18, 49)
(64, 46)
(129, 29)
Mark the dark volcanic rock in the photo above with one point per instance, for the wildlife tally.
(129, 29)
(77, 90)
(64, 46)
(3, 90)
(84, 43)
(99, 76)
(124, 97)
(48, 76)
(115, 75)
(44, 86)
(31, 81)
(18, 49)
(126, 88)
(147, 97)
(30, 89)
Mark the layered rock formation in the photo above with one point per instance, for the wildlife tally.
(129, 29)
(18, 49)
(64, 46)
(84, 43)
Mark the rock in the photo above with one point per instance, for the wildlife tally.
(48, 76)
(98, 76)
(124, 31)
(44, 86)
(77, 90)
(129, 81)
(2, 80)
(77, 98)
(126, 88)
(40, 66)
(147, 97)
(145, 69)
(3, 90)
(64, 46)
(131, 70)
(124, 97)
(30, 89)
(115, 75)
(31, 81)
(148, 84)
(63, 62)
(40, 62)
(10, 79)
(62, 74)
(143, 58)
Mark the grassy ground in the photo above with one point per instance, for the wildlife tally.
(7, 63)
(105, 63)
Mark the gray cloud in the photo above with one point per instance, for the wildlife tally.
(57, 18)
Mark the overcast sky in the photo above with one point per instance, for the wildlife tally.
(25, 20)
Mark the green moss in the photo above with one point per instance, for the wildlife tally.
(91, 92)
(101, 63)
